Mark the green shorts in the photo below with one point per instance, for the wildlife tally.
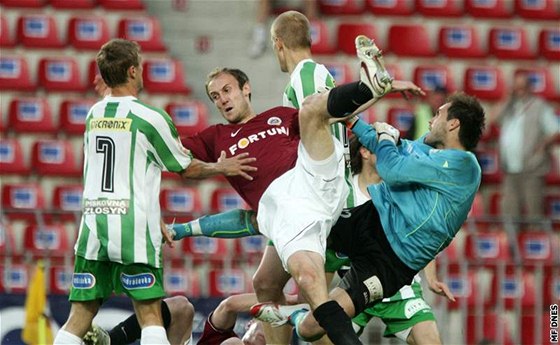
(335, 261)
(93, 280)
(397, 316)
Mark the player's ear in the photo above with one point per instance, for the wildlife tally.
(246, 89)
(453, 124)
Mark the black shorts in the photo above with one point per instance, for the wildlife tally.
(359, 234)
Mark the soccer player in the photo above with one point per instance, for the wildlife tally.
(427, 191)
(127, 145)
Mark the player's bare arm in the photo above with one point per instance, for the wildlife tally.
(238, 165)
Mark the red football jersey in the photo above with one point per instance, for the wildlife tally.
(271, 137)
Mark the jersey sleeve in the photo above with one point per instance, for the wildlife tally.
(201, 145)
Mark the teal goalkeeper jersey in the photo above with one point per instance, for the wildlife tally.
(425, 195)
(308, 78)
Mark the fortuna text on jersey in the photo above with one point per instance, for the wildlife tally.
(246, 141)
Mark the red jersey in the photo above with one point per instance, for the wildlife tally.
(271, 137)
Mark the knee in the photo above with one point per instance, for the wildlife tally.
(307, 278)
(265, 285)
(180, 308)
(314, 106)
(227, 305)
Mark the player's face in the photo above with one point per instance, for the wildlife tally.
(438, 127)
(232, 102)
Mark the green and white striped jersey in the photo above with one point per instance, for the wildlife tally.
(126, 145)
(308, 78)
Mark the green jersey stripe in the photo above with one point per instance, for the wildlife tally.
(103, 236)
(111, 109)
(307, 73)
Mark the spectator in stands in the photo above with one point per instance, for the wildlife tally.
(528, 128)
(260, 30)
(424, 111)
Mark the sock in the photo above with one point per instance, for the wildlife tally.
(345, 99)
(296, 318)
(336, 323)
(230, 224)
(64, 337)
(129, 330)
(153, 335)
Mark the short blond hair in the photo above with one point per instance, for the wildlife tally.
(294, 29)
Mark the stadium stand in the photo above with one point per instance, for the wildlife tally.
(352, 29)
(321, 38)
(190, 116)
(72, 115)
(341, 7)
(549, 43)
(15, 75)
(390, 8)
(144, 30)
(30, 115)
(442, 8)
(38, 31)
(11, 157)
(54, 157)
(88, 32)
(509, 43)
(6, 36)
(164, 75)
(489, 9)
(460, 42)
(486, 83)
(410, 40)
(60, 74)
(227, 282)
(22, 201)
(537, 9)
(73, 5)
(225, 199)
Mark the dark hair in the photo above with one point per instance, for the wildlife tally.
(469, 112)
(293, 29)
(115, 58)
(356, 162)
(238, 74)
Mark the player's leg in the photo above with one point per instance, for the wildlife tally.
(424, 333)
(150, 321)
(181, 323)
(78, 323)
(231, 224)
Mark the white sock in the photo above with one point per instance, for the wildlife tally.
(63, 337)
(259, 33)
(153, 335)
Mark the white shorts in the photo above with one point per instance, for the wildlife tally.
(299, 208)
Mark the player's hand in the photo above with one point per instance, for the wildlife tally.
(100, 87)
(386, 132)
(236, 165)
(441, 289)
(404, 87)
(167, 236)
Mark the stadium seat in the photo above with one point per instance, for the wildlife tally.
(410, 40)
(490, 164)
(73, 5)
(494, 328)
(60, 279)
(54, 158)
(495, 208)
(144, 30)
(7, 241)
(347, 32)
(551, 287)
(464, 286)
(23, 3)
(11, 157)
(30, 115)
(440, 8)
(552, 206)
(489, 8)
(14, 278)
(60, 74)
(549, 43)
(15, 75)
(202, 249)
(509, 43)
(430, 77)
(93, 71)
(539, 247)
(321, 39)
(402, 118)
(189, 116)
(182, 203)
(478, 209)
(537, 9)
(46, 241)
(179, 281)
(340, 7)
(38, 31)
(164, 76)
(541, 81)
(87, 33)
(67, 202)
(129, 5)
(249, 249)
(390, 8)
(73, 115)
(227, 282)
(460, 42)
(487, 247)
(20, 201)
(514, 285)
(341, 72)
(553, 176)
(486, 83)
(395, 72)
(6, 35)
(225, 199)
(534, 332)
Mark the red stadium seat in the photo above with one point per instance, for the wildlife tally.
(340, 7)
(14, 278)
(30, 115)
(494, 328)
(7, 241)
(395, 72)
(489, 8)
(88, 32)
(67, 201)
(93, 71)
(477, 209)
(131, 5)
(552, 206)
(73, 115)
(181, 202)
(464, 286)
(189, 116)
(250, 249)
(487, 247)
(60, 279)
(54, 158)
(539, 247)
(537, 9)
(541, 81)
(321, 39)
(534, 332)
(38, 31)
(551, 287)
(179, 281)
(341, 72)
(164, 76)
(484, 82)
(441, 8)
(144, 30)
(410, 40)
(20, 201)
(60, 74)
(460, 41)
(207, 250)
(15, 75)
(6, 35)
(227, 282)
(513, 286)
(225, 199)
(429, 77)
(402, 119)
(23, 3)
(11, 158)
(549, 43)
(74, 4)
(347, 32)
(490, 164)
(509, 43)
(46, 241)
(390, 8)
